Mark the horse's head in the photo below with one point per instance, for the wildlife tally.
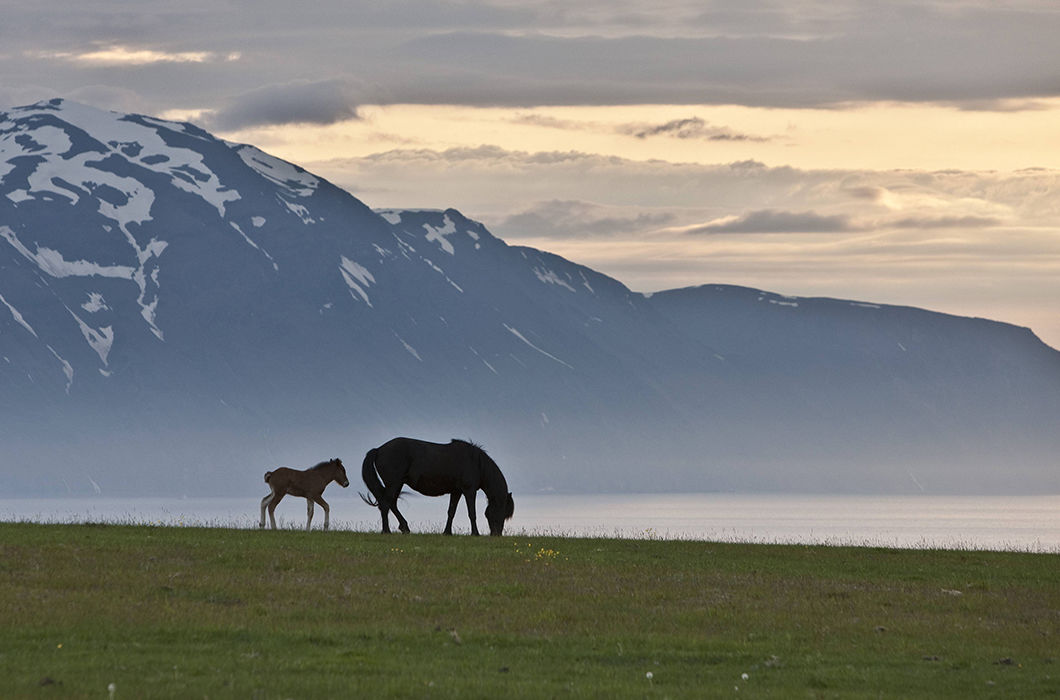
(497, 511)
(340, 473)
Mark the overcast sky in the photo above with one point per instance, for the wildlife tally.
(900, 152)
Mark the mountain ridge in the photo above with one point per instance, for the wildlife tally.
(176, 310)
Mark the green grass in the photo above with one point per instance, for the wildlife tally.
(195, 612)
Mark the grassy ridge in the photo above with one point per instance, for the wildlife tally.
(187, 612)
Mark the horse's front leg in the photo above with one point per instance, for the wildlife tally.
(327, 511)
(454, 501)
(469, 498)
(308, 512)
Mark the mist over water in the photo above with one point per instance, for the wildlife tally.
(1022, 523)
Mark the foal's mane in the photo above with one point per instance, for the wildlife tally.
(322, 465)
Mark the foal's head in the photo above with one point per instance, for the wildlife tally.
(340, 472)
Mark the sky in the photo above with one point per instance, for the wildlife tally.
(891, 152)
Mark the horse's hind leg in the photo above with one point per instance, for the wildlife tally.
(277, 497)
(391, 499)
(264, 502)
(308, 512)
(403, 524)
(454, 501)
(327, 511)
(385, 512)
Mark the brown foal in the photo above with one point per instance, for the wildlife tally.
(306, 483)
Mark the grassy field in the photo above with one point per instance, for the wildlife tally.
(191, 612)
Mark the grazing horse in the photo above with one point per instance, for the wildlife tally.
(307, 483)
(458, 469)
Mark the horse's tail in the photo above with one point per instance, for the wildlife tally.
(268, 475)
(371, 479)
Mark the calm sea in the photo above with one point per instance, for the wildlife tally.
(1025, 523)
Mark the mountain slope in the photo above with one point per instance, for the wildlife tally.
(181, 313)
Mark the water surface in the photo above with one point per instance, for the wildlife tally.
(1026, 523)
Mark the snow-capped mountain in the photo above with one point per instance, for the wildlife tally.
(179, 313)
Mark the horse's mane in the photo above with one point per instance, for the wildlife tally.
(325, 463)
(469, 443)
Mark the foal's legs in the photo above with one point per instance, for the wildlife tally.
(454, 501)
(277, 497)
(308, 512)
(264, 502)
(324, 505)
(469, 498)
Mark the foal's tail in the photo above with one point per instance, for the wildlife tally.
(371, 479)
(268, 475)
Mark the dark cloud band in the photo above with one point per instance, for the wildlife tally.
(322, 102)
(772, 221)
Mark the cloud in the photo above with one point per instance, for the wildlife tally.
(574, 219)
(550, 122)
(496, 185)
(928, 222)
(773, 221)
(124, 56)
(109, 97)
(693, 128)
(690, 128)
(118, 56)
(299, 102)
(795, 54)
(942, 60)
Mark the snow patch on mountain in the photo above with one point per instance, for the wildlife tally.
(100, 340)
(411, 350)
(52, 263)
(292, 178)
(95, 303)
(68, 369)
(437, 234)
(254, 245)
(549, 277)
(144, 255)
(298, 210)
(441, 272)
(547, 354)
(67, 161)
(490, 367)
(355, 276)
(585, 283)
(19, 319)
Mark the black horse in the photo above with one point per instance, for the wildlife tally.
(458, 469)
